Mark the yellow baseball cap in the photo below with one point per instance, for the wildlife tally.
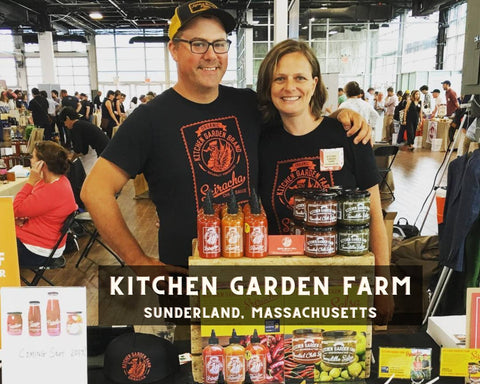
(187, 11)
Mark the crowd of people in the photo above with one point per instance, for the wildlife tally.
(405, 110)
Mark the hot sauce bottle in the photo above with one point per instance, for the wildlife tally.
(256, 230)
(208, 230)
(232, 230)
(256, 357)
(234, 361)
(212, 356)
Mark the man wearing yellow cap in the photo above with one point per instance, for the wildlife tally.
(194, 137)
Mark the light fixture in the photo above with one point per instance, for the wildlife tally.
(323, 8)
(95, 15)
(312, 19)
(305, 27)
(333, 32)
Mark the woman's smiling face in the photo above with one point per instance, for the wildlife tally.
(293, 85)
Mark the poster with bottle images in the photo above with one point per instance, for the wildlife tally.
(44, 335)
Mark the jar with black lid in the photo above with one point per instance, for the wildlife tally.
(354, 208)
(321, 209)
(320, 241)
(353, 240)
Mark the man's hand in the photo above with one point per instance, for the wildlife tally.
(354, 123)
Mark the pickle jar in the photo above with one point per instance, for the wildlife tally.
(299, 204)
(320, 241)
(353, 240)
(338, 348)
(321, 209)
(307, 345)
(354, 208)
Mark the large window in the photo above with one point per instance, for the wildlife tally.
(7, 60)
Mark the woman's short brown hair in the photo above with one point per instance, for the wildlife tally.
(265, 78)
(54, 156)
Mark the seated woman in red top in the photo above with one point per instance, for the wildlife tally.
(43, 204)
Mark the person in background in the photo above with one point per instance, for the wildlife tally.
(427, 100)
(4, 102)
(142, 99)
(86, 107)
(390, 103)
(97, 102)
(122, 106)
(399, 95)
(43, 204)
(451, 97)
(52, 109)
(439, 100)
(291, 96)
(355, 103)
(411, 117)
(170, 140)
(109, 118)
(341, 96)
(83, 133)
(55, 97)
(116, 104)
(133, 105)
(370, 96)
(39, 107)
(362, 95)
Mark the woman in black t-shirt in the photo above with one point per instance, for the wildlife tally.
(413, 111)
(293, 150)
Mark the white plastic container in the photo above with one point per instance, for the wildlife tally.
(394, 138)
(437, 145)
(418, 142)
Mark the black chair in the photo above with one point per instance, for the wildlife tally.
(388, 153)
(77, 176)
(50, 262)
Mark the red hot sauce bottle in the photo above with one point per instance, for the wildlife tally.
(256, 357)
(256, 230)
(208, 230)
(213, 360)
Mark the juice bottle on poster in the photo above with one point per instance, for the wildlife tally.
(256, 230)
(232, 230)
(234, 361)
(34, 319)
(212, 356)
(208, 230)
(53, 314)
(256, 358)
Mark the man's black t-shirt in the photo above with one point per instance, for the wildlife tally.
(289, 163)
(39, 107)
(84, 133)
(184, 149)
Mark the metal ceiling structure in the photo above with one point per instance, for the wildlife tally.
(67, 15)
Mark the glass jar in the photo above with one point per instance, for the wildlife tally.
(296, 227)
(34, 319)
(353, 240)
(299, 205)
(320, 241)
(338, 348)
(14, 323)
(307, 345)
(53, 314)
(321, 209)
(354, 208)
(74, 323)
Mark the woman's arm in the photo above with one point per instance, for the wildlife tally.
(405, 112)
(108, 104)
(117, 108)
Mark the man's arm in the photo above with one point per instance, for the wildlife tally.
(353, 122)
(98, 194)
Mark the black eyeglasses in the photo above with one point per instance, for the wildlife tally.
(201, 46)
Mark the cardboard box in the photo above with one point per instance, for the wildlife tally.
(388, 219)
(447, 331)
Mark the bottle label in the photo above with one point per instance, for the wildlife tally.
(211, 240)
(233, 239)
(235, 368)
(257, 239)
(256, 367)
(213, 365)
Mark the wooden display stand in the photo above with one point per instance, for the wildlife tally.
(198, 342)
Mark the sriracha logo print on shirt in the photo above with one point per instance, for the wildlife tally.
(217, 156)
(291, 176)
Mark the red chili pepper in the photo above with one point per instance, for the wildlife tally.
(269, 358)
(277, 350)
(278, 377)
(276, 364)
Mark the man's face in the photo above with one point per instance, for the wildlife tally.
(435, 95)
(424, 91)
(445, 86)
(200, 72)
